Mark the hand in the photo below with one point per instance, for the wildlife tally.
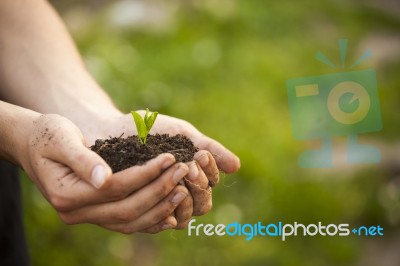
(211, 158)
(82, 189)
(203, 171)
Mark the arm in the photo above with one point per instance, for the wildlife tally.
(13, 121)
(41, 69)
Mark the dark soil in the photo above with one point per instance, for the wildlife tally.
(121, 153)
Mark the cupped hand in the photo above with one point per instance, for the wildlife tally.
(82, 189)
(203, 170)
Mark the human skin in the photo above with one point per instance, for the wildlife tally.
(50, 149)
(41, 71)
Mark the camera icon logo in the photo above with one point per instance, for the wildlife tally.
(358, 92)
(332, 105)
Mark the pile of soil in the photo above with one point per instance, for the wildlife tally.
(121, 153)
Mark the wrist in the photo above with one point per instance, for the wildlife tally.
(16, 126)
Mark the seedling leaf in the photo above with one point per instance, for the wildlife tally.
(140, 127)
(143, 125)
(146, 115)
(150, 119)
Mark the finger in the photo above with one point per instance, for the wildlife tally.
(132, 207)
(196, 175)
(162, 210)
(201, 193)
(209, 166)
(226, 160)
(157, 214)
(134, 178)
(184, 212)
(67, 148)
(168, 223)
(75, 193)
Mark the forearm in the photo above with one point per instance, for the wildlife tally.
(15, 125)
(40, 67)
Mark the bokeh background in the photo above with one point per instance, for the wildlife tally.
(223, 65)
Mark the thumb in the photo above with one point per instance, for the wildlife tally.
(61, 141)
(100, 172)
(86, 164)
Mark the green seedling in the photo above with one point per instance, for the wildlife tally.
(143, 126)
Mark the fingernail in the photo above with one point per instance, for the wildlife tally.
(166, 226)
(203, 160)
(98, 176)
(168, 161)
(179, 174)
(193, 171)
(178, 198)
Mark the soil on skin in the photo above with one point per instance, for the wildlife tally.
(121, 153)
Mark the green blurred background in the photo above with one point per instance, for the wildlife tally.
(223, 65)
